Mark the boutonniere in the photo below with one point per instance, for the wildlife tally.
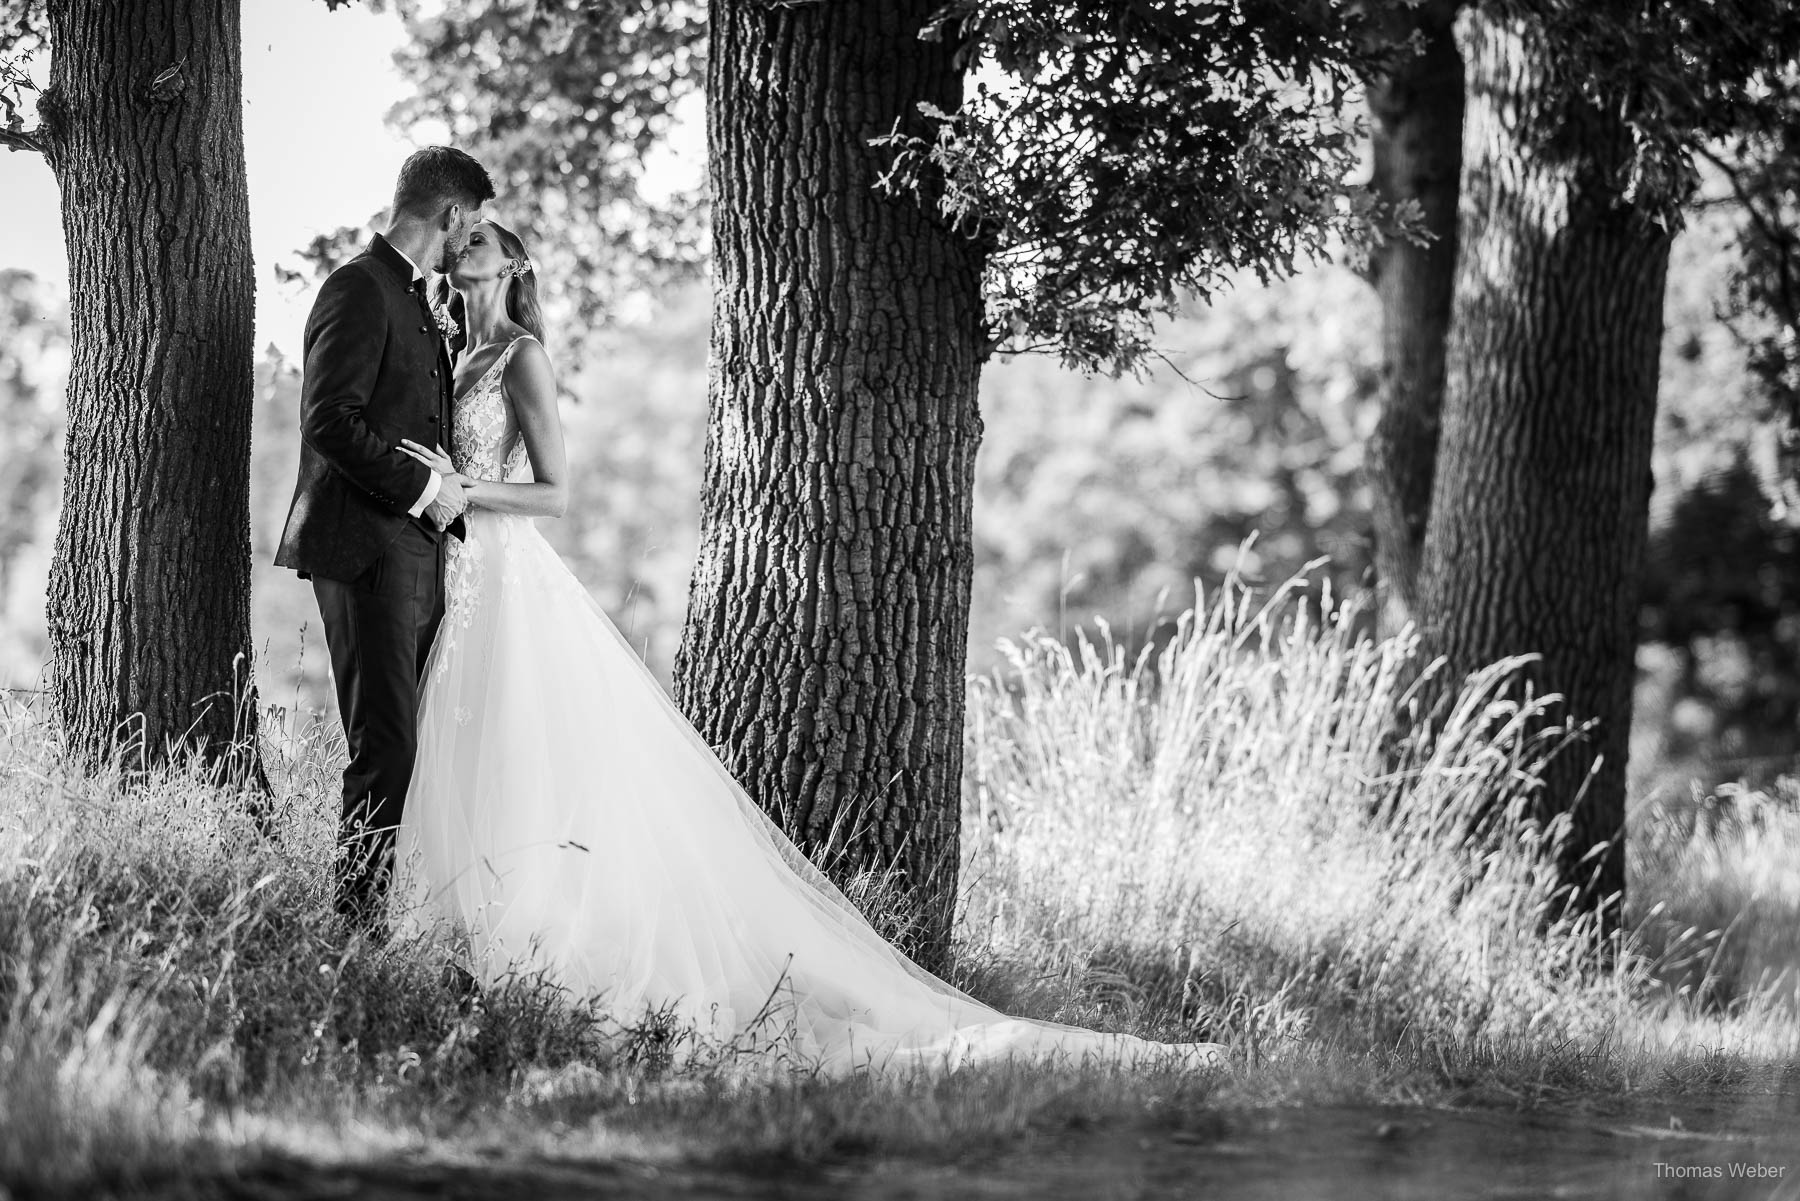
(446, 324)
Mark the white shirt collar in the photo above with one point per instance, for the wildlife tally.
(417, 274)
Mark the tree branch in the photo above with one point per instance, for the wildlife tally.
(21, 139)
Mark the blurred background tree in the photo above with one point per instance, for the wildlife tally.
(1112, 497)
(1416, 137)
(34, 362)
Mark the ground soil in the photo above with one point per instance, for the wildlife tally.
(1727, 1147)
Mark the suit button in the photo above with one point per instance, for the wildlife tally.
(434, 373)
(432, 419)
(422, 329)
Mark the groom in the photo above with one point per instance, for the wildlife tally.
(367, 524)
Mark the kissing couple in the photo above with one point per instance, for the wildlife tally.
(517, 778)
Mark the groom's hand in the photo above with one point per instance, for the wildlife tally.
(453, 486)
(452, 500)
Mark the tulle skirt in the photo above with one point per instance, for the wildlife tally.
(566, 821)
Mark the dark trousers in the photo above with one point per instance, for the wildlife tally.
(379, 628)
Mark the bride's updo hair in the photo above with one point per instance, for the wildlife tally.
(521, 291)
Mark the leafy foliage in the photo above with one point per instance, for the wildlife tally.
(24, 26)
(1760, 163)
(1112, 499)
(562, 100)
(14, 84)
(1719, 666)
(34, 357)
(1678, 73)
(1115, 158)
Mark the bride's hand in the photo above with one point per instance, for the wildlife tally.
(437, 460)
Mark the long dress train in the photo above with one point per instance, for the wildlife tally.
(565, 818)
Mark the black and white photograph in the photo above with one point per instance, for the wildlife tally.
(1059, 600)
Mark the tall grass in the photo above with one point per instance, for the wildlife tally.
(1219, 840)
(1718, 895)
(1234, 809)
(1223, 834)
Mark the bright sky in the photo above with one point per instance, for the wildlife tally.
(317, 88)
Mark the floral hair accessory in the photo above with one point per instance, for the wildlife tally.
(445, 322)
(521, 267)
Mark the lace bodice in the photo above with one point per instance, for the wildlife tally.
(479, 427)
(478, 434)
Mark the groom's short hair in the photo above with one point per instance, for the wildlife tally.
(438, 176)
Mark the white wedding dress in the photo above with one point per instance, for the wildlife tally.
(565, 819)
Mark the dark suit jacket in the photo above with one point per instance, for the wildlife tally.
(376, 371)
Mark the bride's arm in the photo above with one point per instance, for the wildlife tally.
(532, 389)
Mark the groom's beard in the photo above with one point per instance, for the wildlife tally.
(451, 252)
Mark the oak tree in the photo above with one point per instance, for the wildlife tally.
(149, 619)
(1416, 103)
(1581, 121)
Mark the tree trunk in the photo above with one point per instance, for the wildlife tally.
(1538, 510)
(149, 598)
(824, 652)
(1418, 112)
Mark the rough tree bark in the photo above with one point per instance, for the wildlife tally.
(1418, 110)
(1538, 509)
(823, 653)
(149, 597)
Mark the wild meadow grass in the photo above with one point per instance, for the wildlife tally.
(1219, 840)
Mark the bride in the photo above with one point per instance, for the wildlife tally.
(565, 818)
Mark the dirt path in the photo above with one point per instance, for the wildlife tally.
(1745, 1149)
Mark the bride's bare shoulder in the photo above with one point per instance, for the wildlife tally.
(529, 364)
